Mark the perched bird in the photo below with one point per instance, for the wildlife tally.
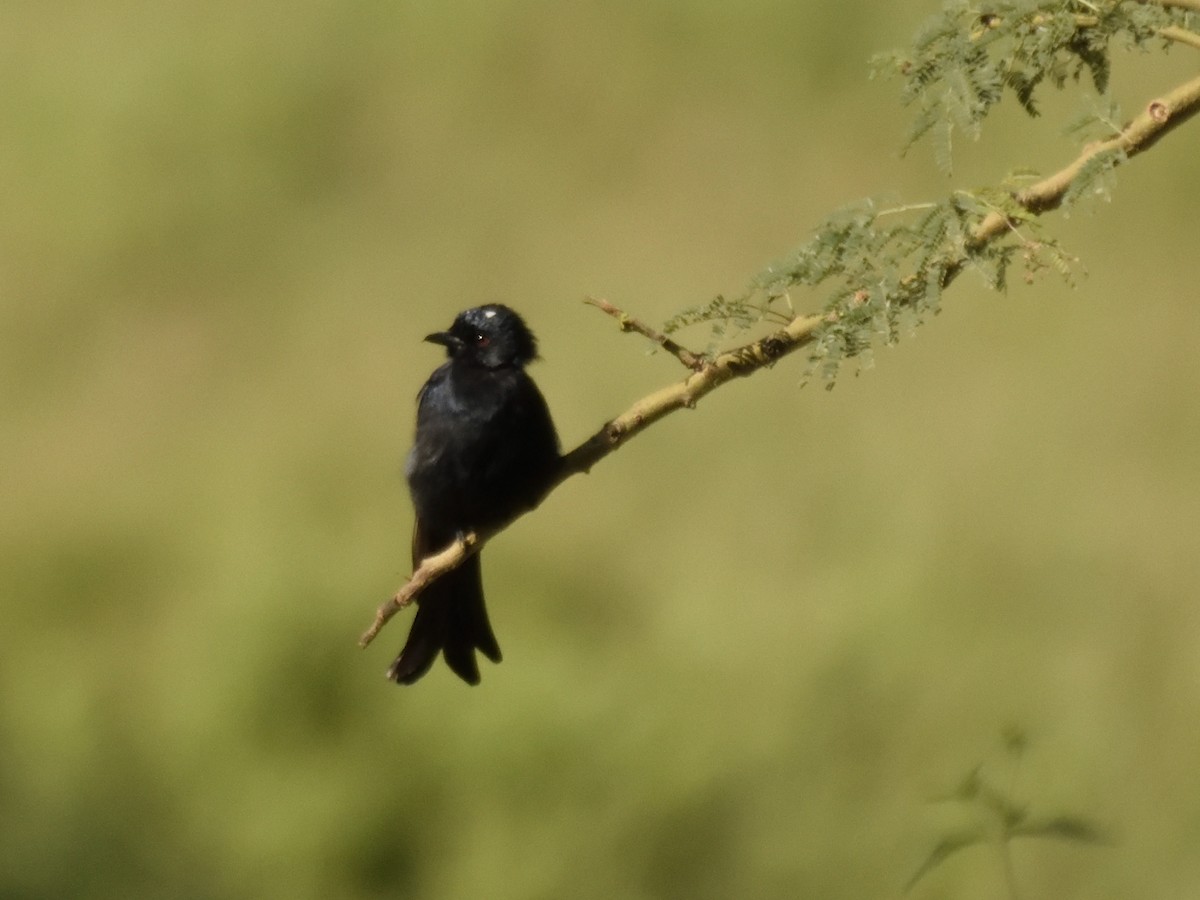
(485, 450)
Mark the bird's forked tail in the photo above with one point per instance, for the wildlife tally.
(451, 618)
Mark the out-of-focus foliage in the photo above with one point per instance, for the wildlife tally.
(741, 653)
(1002, 819)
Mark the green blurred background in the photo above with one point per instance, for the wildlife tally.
(743, 654)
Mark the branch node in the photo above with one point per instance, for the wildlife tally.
(772, 347)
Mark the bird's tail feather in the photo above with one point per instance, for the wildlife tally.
(451, 618)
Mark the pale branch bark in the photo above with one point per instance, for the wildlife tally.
(1181, 36)
(430, 569)
(1160, 116)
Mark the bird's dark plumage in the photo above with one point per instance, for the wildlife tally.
(485, 450)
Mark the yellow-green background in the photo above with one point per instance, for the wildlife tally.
(741, 655)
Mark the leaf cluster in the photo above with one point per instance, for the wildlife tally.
(967, 58)
(887, 268)
(1001, 819)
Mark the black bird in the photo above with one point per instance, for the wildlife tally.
(485, 449)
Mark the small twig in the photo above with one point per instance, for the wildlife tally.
(626, 322)
(906, 208)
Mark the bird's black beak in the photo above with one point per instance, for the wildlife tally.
(446, 339)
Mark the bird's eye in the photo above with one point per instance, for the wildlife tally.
(482, 340)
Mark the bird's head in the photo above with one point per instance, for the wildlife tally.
(491, 336)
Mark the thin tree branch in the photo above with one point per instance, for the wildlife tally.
(431, 568)
(1180, 35)
(1159, 118)
(693, 361)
